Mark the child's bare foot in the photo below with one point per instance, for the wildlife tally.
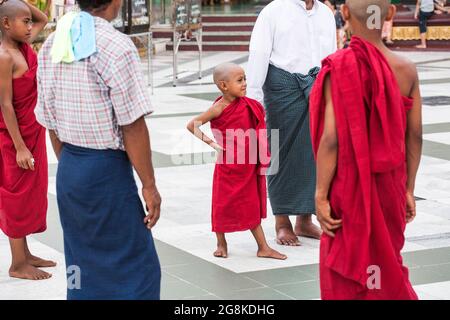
(28, 272)
(421, 46)
(271, 254)
(221, 252)
(40, 263)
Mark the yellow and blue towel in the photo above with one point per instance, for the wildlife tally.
(74, 38)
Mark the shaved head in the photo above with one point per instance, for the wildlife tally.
(11, 8)
(223, 71)
(362, 10)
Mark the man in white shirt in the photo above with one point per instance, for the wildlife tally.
(289, 41)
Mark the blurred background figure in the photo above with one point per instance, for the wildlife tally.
(341, 25)
(440, 7)
(387, 32)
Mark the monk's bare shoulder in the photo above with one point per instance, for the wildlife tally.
(406, 65)
(216, 109)
(6, 62)
(405, 71)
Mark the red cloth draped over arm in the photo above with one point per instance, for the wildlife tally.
(368, 190)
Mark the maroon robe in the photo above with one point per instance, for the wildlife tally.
(368, 191)
(23, 193)
(239, 199)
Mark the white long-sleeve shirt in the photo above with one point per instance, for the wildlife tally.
(291, 38)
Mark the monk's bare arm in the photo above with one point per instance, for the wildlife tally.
(414, 137)
(9, 115)
(326, 165)
(328, 148)
(413, 147)
(56, 143)
(40, 20)
(194, 125)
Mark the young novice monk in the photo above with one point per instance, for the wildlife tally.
(366, 131)
(23, 158)
(239, 188)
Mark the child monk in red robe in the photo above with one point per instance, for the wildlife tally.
(23, 158)
(367, 136)
(239, 199)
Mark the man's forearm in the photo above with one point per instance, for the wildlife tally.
(137, 145)
(56, 143)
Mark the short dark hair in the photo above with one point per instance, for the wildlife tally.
(92, 4)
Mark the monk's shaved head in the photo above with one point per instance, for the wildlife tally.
(11, 8)
(362, 10)
(223, 71)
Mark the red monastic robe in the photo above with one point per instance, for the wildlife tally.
(23, 193)
(363, 261)
(239, 199)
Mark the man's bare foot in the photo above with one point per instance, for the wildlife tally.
(40, 263)
(421, 46)
(221, 252)
(28, 272)
(271, 254)
(286, 236)
(308, 230)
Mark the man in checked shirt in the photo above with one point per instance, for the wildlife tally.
(94, 109)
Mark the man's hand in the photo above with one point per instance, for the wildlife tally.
(327, 223)
(25, 159)
(153, 205)
(410, 207)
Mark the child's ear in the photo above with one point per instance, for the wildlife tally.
(391, 12)
(223, 85)
(5, 23)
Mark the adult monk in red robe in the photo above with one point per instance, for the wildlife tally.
(23, 157)
(367, 138)
(239, 199)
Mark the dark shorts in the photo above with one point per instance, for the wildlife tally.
(423, 18)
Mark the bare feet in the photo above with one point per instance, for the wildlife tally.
(28, 272)
(287, 237)
(306, 228)
(221, 251)
(271, 254)
(40, 263)
(421, 46)
(285, 232)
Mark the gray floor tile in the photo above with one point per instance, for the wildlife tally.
(301, 290)
(279, 276)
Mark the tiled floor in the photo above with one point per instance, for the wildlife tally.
(184, 173)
